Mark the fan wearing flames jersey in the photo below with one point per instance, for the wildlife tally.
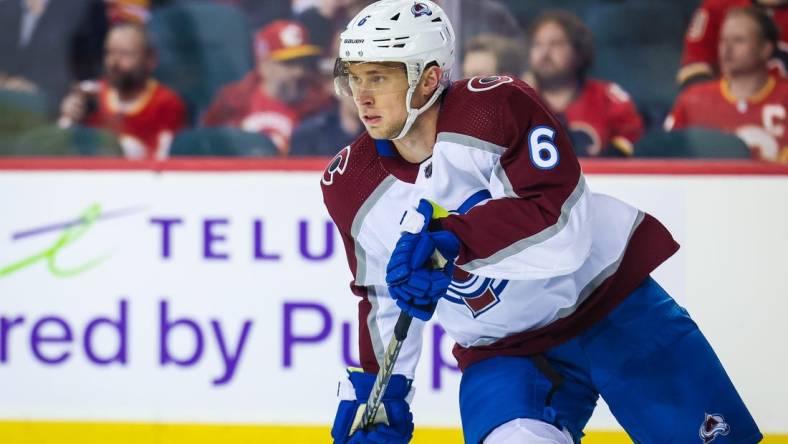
(551, 303)
(699, 60)
(279, 92)
(748, 100)
(601, 118)
(143, 113)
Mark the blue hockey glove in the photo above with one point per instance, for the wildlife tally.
(393, 422)
(421, 266)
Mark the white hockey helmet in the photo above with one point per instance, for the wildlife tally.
(415, 33)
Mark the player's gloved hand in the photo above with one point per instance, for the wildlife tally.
(393, 422)
(421, 266)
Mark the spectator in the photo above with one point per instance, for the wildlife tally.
(326, 133)
(143, 113)
(600, 116)
(490, 54)
(700, 60)
(284, 88)
(46, 44)
(748, 100)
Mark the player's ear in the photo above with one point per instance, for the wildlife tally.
(430, 80)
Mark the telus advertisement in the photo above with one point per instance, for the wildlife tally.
(137, 296)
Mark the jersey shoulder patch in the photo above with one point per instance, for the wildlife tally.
(487, 83)
(337, 166)
(350, 178)
(357, 152)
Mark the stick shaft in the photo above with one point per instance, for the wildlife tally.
(386, 370)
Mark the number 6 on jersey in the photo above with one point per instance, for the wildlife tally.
(544, 154)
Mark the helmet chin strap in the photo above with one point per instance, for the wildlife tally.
(413, 114)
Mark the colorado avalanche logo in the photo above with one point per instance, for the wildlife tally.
(419, 9)
(475, 292)
(479, 83)
(337, 166)
(713, 426)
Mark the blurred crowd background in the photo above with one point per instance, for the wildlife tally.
(152, 79)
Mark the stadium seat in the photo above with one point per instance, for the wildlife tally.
(53, 141)
(202, 46)
(639, 47)
(692, 143)
(19, 111)
(223, 141)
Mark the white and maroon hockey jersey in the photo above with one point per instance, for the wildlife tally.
(541, 258)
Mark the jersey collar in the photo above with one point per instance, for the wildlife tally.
(385, 148)
(136, 105)
(762, 94)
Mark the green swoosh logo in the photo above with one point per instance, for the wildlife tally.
(68, 237)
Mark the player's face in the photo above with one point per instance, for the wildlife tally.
(551, 56)
(741, 50)
(127, 64)
(479, 63)
(379, 91)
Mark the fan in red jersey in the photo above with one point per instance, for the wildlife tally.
(143, 113)
(601, 117)
(748, 100)
(281, 90)
(700, 60)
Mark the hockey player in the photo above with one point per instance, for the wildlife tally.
(550, 302)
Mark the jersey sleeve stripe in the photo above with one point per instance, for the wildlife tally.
(691, 70)
(372, 324)
(500, 173)
(597, 281)
(380, 323)
(366, 350)
(470, 141)
(623, 144)
(358, 223)
(542, 236)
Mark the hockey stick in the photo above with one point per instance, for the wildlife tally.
(389, 359)
(437, 260)
(384, 375)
